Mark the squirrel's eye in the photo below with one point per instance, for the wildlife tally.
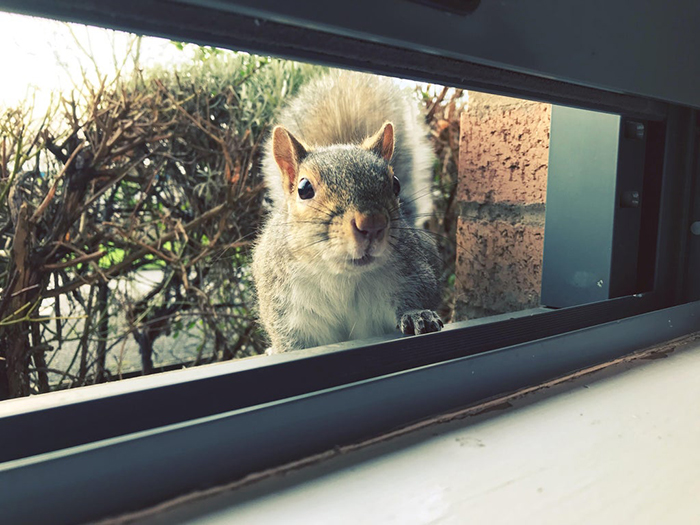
(397, 186)
(305, 189)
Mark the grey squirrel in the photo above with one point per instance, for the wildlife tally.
(339, 257)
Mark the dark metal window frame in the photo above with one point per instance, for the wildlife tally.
(125, 445)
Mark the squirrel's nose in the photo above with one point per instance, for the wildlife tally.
(369, 226)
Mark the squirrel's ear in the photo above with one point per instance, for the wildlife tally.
(382, 142)
(288, 153)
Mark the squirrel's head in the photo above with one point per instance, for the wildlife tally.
(341, 201)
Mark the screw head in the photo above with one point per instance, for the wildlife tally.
(630, 199)
(634, 130)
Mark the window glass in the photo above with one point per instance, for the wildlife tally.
(133, 199)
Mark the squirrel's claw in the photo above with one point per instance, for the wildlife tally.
(416, 322)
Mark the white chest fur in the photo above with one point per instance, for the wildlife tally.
(325, 309)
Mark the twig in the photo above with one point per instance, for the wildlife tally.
(49, 196)
(26, 289)
(76, 261)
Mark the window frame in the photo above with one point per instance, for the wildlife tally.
(160, 436)
(133, 471)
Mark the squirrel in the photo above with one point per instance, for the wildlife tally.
(340, 256)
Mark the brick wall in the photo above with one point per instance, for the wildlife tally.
(504, 146)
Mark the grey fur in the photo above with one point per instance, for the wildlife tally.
(346, 107)
(311, 290)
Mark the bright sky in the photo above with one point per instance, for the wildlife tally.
(41, 55)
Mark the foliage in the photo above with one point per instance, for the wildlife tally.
(443, 107)
(154, 172)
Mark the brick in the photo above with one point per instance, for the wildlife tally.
(499, 267)
(504, 147)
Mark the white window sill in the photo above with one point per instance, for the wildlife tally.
(616, 446)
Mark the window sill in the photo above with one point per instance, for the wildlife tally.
(618, 445)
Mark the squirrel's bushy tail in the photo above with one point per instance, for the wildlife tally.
(344, 107)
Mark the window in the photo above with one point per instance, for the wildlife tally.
(289, 406)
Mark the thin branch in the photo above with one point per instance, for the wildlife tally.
(76, 261)
(49, 196)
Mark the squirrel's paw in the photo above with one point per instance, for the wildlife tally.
(416, 322)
